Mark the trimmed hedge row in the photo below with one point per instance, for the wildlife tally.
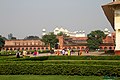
(57, 69)
(74, 62)
(67, 58)
(42, 58)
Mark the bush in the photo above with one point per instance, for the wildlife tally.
(58, 69)
(112, 52)
(41, 58)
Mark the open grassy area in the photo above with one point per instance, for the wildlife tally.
(48, 77)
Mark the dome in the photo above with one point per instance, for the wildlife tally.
(56, 29)
(106, 29)
(66, 30)
(62, 30)
(43, 30)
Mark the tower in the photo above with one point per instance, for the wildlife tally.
(43, 32)
(112, 12)
(10, 36)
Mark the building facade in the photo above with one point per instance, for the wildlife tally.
(81, 42)
(25, 45)
(112, 12)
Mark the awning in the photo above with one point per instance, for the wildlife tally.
(109, 11)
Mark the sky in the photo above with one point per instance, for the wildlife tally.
(28, 17)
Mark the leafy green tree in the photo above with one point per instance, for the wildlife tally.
(50, 38)
(95, 38)
(2, 42)
(31, 38)
(62, 34)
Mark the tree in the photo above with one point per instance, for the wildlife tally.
(50, 39)
(62, 34)
(13, 38)
(31, 38)
(2, 42)
(95, 38)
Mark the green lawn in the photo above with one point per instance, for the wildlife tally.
(48, 77)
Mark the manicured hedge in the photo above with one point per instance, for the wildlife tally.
(42, 58)
(64, 62)
(58, 69)
(71, 58)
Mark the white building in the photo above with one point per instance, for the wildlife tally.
(112, 12)
(68, 33)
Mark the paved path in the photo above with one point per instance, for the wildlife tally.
(74, 54)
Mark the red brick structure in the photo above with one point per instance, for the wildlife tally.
(81, 42)
(25, 45)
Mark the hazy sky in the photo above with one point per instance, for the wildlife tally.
(28, 17)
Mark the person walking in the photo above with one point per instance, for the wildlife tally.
(18, 54)
(24, 53)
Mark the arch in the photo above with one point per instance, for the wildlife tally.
(110, 48)
(42, 48)
(74, 48)
(14, 48)
(101, 48)
(7, 48)
(65, 47)
(46, 48)
(105, 48)
(22, 48)
(38, 48)
(11, 49)
(30, 48)
(69, 47)
(34, 48)
(82, 48)
(26, 48)
(78, 47)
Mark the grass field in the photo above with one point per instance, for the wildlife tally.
(48, 77)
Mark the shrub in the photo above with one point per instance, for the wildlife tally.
(58, 69)
(112, 52)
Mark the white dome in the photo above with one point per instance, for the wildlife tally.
(62, 30)
(106, 29)
(43, 30)
(109, 35)
(66, 30)
(56, 29)
(83, 31)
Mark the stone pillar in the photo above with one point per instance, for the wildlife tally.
(117, 28)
